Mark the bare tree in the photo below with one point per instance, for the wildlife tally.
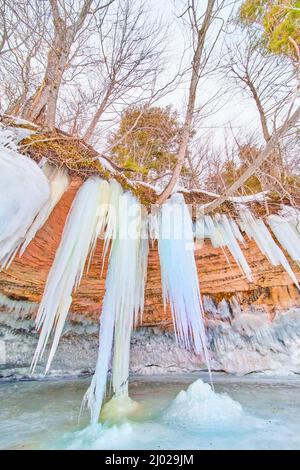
(273, 85)
(268, 80)
(202, 160)
(130, 59)
(22, 59)
(291, 121)
(67, 24)
(5, 26)
(8, 22)
(198, 25)
(74, 109)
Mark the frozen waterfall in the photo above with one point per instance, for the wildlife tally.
(180, 282)
(84, 224)
(24, 192)
(224, 232)
(258, 231)
(285, 227)
(124, 299)
(100, 209)
(59, 181)
(28, 194)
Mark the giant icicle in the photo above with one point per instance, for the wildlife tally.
(224, 232)
(59, 181)
(99, 208)
(124, 299)
(285, 227)
(28, 194)
(257, 230)
(179, 275)
(24, 191)
(85, 222)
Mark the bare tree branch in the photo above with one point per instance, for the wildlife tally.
(200, 34)
(262, 157)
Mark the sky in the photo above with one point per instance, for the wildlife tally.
(238, 111)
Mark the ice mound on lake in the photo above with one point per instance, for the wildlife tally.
(99, 436)
(200, 407)
(144, 435)
(197, 419)
(118, 408)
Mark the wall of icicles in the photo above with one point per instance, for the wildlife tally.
(102, 209)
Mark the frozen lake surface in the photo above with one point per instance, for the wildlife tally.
(253, 412)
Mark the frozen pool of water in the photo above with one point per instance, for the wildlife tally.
(244, 413)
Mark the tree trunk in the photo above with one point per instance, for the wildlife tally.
(92, 126)
(46, 96)
(55, 74)
(15, 109)
(261, 111)
(191, 103)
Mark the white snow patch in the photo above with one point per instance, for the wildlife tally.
(258, 197)
(107, 165)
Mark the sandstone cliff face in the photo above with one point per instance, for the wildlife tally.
(239, 343)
